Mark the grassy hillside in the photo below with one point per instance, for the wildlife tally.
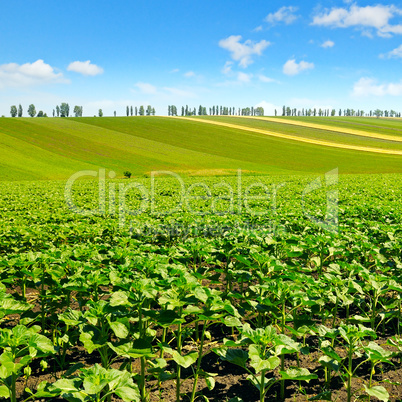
(55, 148)
(285, 126)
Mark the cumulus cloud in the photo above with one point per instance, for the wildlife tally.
(269, 108)
(396, 53)
(374, 17)
(243, 77)
(284, 14)
(181, 93)
(264, 78)
(85, 68)
(291, 67)
(146, 88)
(227, 68)
(369, 87)
(243, 52)
(163, 93)
(328, 43)
(29, 74)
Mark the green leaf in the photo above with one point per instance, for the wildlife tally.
(332, 364)
(166, 318)
(186, 360)
(67, 385)
(71, 317)
(138, 348)
(210, 382)
(96, 378)
(9, 366)
(44, 390)
(128, 393)
(235, 356)
(119, 329)
(379, 392)
(231, 321)
(297, 374)
(40, 343)
(4, 392)
(119, 298)
(285, 345)
(376, 353)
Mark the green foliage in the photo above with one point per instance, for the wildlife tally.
(64, 110)
(146, 303)
(13, 111)
(161, 143)
(31, 110)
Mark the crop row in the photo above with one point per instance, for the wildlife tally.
(102, 312)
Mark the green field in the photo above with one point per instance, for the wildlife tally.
(181, 306)
(308, 132)
(390, 126)
(185, 288)
(55, 148)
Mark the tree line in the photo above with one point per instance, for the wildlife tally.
(216, 111)
(141, 111)
(287, 111)
(63, 110)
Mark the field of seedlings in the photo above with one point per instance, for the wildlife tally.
(254, 288)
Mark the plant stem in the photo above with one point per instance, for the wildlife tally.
(198, 362)
(179, 351)
(282, 395)
(349, 373)
(262, 386)
(13, 391)
(142, 385)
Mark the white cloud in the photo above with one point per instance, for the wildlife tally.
(258, 29)
(243, 77)
(29, 74)
(328, 43)
(264, 78)
(163, 93)
(146, 88)
(368, 86)
(175, 70)
(293, 68)
(85, 68)
(284, 14)
(396, 53)
(227, 68)
(269, 108)
(189, 74)
(377, 17)
(243, 52)
(181, 93)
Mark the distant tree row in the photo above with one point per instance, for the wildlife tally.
(287, 111)
(31, 111)
(63, 110)
(141, 111)
(216, 111)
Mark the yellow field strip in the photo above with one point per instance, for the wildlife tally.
(295, 138)
(341, 130)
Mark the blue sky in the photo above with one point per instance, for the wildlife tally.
(109, 54)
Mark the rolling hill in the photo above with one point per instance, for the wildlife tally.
(55, 148)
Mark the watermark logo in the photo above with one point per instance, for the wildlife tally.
(251, 198)
(330, 222)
